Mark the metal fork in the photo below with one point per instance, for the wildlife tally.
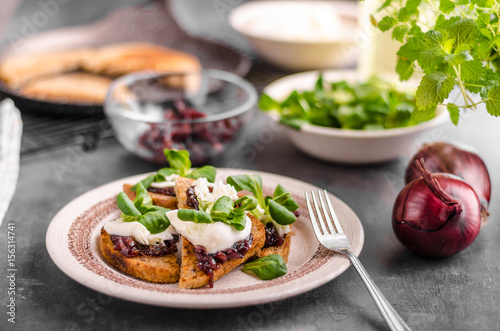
(329, 233)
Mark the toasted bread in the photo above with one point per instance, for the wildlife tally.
(192, 277)
(161, 200)
(73, 87)
(181, 186)
(16, 71)
(162, 269)
(282, 250)
(121, 59)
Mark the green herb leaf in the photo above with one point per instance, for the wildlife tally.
(280, 214)
(126, 205)
(454, 113)
(464, 31)
(267, 103)
(208, 172)
(142, 197)
(166, 172)
(412, 49)
(386, 23)
(284, 198)
(399, 33)
(268, 267)
(154, 222)
(146, 182)
(493, 101)
(193, 215)
(412, 6)
(446, 6)
(239, 220)
(403, 15)
(222, 209)
(433, 89)
(247, 202)
(404, 68)
(250, 183)
(178, 160)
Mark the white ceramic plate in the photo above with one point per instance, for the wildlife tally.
(73, 244)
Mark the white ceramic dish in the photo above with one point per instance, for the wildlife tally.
(348, 146)
(299, 54)
(73, 238)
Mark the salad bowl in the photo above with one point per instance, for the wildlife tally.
(344, 145)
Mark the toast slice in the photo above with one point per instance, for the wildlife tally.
(181, 186)
(192, 277)
(282, 250)
(16, 71)
(161, 200)
(120, 59)
(73, 87)
(162, 269)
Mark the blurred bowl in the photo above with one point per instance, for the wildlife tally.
(202, 112)
(344, 145)
(300, 35)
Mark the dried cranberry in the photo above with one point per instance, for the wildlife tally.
(192, 200)
(272, 236)
(165, 191)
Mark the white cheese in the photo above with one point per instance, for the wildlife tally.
(201, 188)
(170, 182)
(135, 229)
(214, 237)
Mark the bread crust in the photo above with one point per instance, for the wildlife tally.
(283, 250)
(181, 186)
(161, 200)
(161, 269)
(192, 277)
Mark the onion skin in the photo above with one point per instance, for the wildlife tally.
(445, 157)
(431, 227)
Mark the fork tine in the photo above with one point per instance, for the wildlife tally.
(314, 222)
(332, 212)
(322, 220)
(328, 218)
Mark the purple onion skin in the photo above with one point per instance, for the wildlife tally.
(445, 157)
(427, 226)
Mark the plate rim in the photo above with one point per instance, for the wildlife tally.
(201, 300)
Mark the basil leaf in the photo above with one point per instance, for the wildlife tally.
(239, 220)
(222, 208)
(126, 205)
(178, 160)
(247, 202)
(250, 183)
(268, 267)
(207, 172)
(280, 214)
(193, 215)
(165, 172)
(142, 198)
(154, 222)
(146, 182)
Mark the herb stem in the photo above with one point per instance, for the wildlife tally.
(465, 107)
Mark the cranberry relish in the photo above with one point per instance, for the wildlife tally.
(165, 191)
(272, 236)
(130, 248)
(208, 263)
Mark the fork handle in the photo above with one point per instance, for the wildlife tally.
(392, 318)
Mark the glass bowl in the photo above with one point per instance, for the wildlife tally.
(201, 112)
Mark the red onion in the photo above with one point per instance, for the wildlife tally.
(436, 215)
(445, 157)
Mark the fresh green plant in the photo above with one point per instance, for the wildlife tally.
(453, 42)
(223, 210)
(268, 267)
(143, 211)
(180, 164)
(279, 207)
(372, 105)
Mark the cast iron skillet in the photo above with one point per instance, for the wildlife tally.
(152, 23)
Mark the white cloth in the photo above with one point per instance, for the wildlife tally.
(11, 127)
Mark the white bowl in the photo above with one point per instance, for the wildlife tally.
(343, 145)
(305, 53)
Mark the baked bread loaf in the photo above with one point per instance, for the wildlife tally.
(161, 200)
(16, 71)
(161, 269)
(73, 87)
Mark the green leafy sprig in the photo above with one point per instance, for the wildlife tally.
(268, 267)
(279, 207)
(453, 43)
(180, 164)
(223, 210)
(143, 211)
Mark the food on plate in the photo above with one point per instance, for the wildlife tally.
(73, 87)
(445, 157)
(84, 75)
(371, 105)
(141, 243)
(120, 59)
(219, 227)
(160, 185)
(436, 215)
(17, 70)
